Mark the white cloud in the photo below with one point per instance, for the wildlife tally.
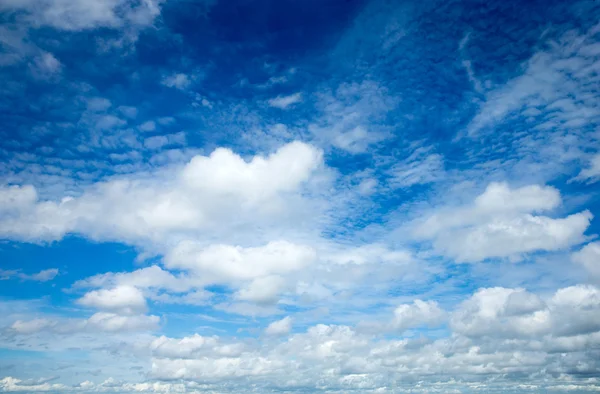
(421, 167)
(238, 263)
(516, 313)
(110, 322)
(262, 290)
(147, 126)
(178, 81)
(199, 196)
(160, 141)
(45, 66)
(125, 300)
(589, 258)
(100, 104)
(591, 173)
(419, 313)
(279, 327)
(104, 322)
(75, 15)
(284, 102)
(42, 276)
(128, 111)
(351, 116)
(500, 224)
(31, 326)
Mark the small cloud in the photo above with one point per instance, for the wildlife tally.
(129, 112)
(166, 120)
(98, 104)
(178, 81)
(159, 141)
(45, 66)
(147, 126)
(283, 102)
(591, 173)
(279, 327)
(42, 276)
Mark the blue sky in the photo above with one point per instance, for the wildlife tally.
(285, 196)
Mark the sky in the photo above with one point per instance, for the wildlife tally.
(285, 196)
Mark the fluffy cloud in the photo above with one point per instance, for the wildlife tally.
(126, 300)
(419, 313)
(589, 258)
(501, 223)
(262, 290)
(279, 327)
(205, 192)
(231, 262)
(516, 313)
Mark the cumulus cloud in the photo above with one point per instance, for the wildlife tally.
(419, 313)
(263, 290)
(226, 261)
(501, 223)
(126, 300)
(279, 327)
(589, 258)
(200, 194)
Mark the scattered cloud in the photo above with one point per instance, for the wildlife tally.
(42, 276)
(501, 223)
(178, 81)
(284, 102)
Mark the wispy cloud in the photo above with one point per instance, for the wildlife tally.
(283, 102)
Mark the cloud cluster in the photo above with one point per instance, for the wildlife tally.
(503, 222)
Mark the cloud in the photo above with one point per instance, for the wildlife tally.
(110, 322)
(421, 167)
(42, 276)
(351, 116)
(191, 198)
(238, 263)
(589, 258)
(419, 313)
(147, 126)
(590, 174)
(284, 102)
(178, 81)
(279, 327)
(125, 300)
(263, 290)
(500, 223)
(516, 313)
(81, 15)
(104, 322)
(45, 66)
(160, 141)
